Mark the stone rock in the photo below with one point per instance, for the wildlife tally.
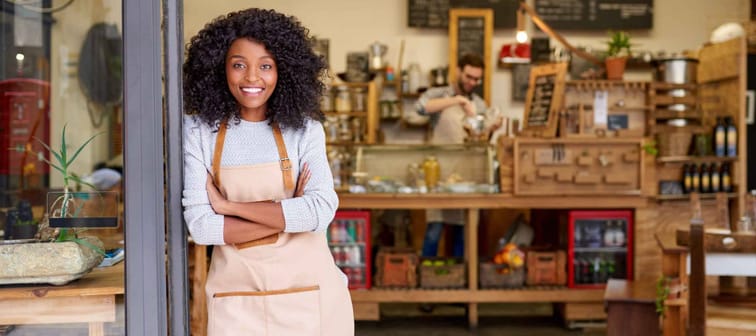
(50, 262)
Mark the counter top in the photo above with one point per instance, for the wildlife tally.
(484, 201)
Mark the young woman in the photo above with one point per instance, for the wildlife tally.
(252, 86)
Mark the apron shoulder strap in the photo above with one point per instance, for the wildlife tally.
(218, 152)
(283, 159)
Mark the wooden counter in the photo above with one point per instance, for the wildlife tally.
(91, 299)
(485, 201)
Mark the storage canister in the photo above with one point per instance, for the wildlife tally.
(677, 70)
(343, 101)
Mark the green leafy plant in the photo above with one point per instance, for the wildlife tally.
(650, 148)
(66, 204)
(662, 292)
(619, 44)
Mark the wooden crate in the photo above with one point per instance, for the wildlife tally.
(546, 268)
(443, 276)
(490, 277)
(396, 268)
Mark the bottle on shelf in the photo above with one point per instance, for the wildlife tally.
(696, 180)
(720, 138)
(705, 179)
(715, 178)
(731, 138)
(687, 178)
(726, 178)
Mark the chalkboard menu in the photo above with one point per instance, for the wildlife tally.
(540, 102)
(470, 31)
(544, 99)
(596, 14)
(435, 13)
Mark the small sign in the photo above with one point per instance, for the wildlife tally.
(616, 122)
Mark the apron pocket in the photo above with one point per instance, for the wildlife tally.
(294, 311)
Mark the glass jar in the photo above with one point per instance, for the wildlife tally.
(432, 171)
(343, 101)
(359, 99)
(326, 102)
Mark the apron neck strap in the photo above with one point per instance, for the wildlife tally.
(285, 163)
(283, 156)
(218, 152)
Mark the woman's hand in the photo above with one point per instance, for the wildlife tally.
(304, 177)
(217, 201)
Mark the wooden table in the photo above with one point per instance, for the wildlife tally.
(631, 308)
(91, 299)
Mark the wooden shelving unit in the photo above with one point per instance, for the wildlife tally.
(697, 159)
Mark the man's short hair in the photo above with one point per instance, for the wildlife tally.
(473, 60)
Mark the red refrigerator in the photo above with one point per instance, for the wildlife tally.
(599, 247)
(349, 241)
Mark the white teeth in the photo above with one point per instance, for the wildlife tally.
(252, 90)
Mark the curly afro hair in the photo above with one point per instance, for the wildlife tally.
(300, 70)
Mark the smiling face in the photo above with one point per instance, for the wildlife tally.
(251, 74)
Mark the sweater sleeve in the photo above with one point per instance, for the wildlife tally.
(205, 226)
(315, 210)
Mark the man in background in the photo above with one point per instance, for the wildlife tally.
(449, 108)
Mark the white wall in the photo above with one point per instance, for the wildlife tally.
(351, 25)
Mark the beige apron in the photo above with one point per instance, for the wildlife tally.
(284, 284)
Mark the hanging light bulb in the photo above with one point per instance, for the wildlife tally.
(521, 35)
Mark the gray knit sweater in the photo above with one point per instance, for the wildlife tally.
(253, 143)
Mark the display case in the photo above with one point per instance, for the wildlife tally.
(466, 168)
(599, 247)
(349, 241)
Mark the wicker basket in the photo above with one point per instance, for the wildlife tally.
(491, 278)
(675, 143)
(442, 276)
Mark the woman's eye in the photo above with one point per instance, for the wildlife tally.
(266, 66)
(238, 66)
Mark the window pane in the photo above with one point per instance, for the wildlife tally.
(61, 94)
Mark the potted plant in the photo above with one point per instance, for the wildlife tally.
(64, 256)
(20, 224)
(617, 54)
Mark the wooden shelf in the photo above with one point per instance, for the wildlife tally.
(523, 294)
(672, 86)
(669, 114)
(686, 197)
(361, 114)
(684, 159)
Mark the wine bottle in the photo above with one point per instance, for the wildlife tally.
(720, 138)
(705, 178)
(714, 178)
(687, 178)
(731, 138)
(695, 172)
(726, 177)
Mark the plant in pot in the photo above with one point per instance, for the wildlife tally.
(617, 54)
(61, 256)
(20, 225)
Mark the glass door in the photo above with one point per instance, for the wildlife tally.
(599, 247)
(61, 172)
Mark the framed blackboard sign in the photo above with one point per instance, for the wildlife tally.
(435, 13)
(544, 99)
(470, 31)
(596, 14)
